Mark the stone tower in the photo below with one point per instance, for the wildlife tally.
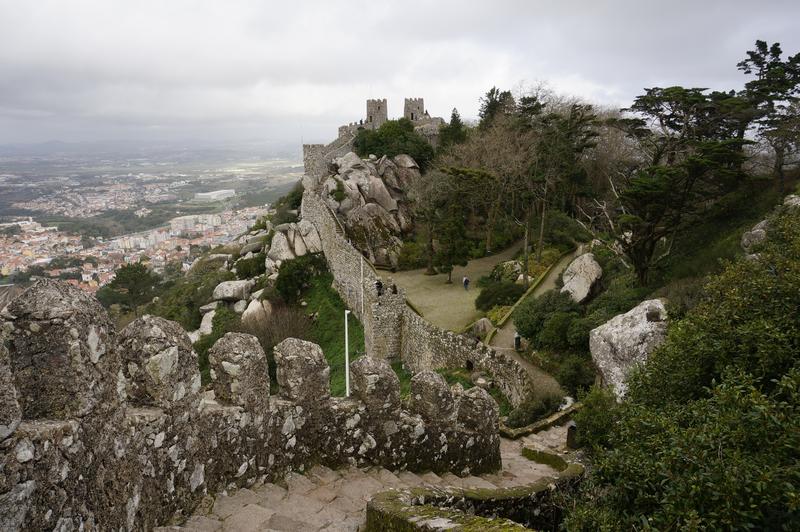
(414, 109)
(376, 113)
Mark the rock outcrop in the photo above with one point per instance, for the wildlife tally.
(580, 276)
(626, 341)
(756, 236)
(370, 198)
(232, 290)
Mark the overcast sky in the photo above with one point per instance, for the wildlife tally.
(230, 70)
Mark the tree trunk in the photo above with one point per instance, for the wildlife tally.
(777, 168)
(541, 230)
(525, 251)
(431, 269)
(490, 225)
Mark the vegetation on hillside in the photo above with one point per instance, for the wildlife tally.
(393, 138)
(708, 435)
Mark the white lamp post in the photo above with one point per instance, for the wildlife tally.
(346, 355)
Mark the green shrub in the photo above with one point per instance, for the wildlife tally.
(293, 199)
(707, 438)
(252, 267)
(531, 410)
(682, 295)
(553, 334)
(498, 294)
(575, 373)
(412, 256)
(294, 275)
(393, 138)
(338, 194)
(748, 319)
(597, 417)
(531, 316)
(725, 462)
(497, 313)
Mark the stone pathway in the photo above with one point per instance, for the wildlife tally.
(504, 337)
(335, 500)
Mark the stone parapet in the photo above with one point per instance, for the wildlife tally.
(141, 446)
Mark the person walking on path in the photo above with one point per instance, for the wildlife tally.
(379, 287)
(465, 281)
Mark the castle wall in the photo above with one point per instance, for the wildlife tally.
(151, 450)
(392, 330)
(316, 157)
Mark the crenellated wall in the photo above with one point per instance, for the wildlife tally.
(392, 330)
(124, 438)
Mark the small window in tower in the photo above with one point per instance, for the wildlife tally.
(412, 116)
(370, 118)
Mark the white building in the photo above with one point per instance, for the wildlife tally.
(215, 195)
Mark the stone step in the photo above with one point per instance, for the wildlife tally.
(477, 482)
(330, 500)
(410, 479)
(387, 478)
(431, 478)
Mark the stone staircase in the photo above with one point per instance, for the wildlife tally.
(323, 499)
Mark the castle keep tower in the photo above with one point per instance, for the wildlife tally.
(376, 113)
(414, 109)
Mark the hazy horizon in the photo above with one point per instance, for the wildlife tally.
(210, 73)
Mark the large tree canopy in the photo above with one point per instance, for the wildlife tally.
(393, 138)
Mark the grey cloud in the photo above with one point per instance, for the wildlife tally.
(85, 70)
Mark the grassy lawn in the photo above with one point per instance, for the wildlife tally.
(445, 305)
(328, 329)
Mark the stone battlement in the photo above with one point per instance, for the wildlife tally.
(112, 431)
(317, 157)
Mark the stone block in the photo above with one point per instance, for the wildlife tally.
(239, 371)
(302, 371)
(478, 411)
(431, 397)
(375, 383)
(625, 341)
(158, 363)
(61, 352)
(232, 290)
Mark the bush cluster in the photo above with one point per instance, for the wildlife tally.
(295, 275)
(498, 294)
(393, 138)
(708, 436)
(532, 409)
(252, 267)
